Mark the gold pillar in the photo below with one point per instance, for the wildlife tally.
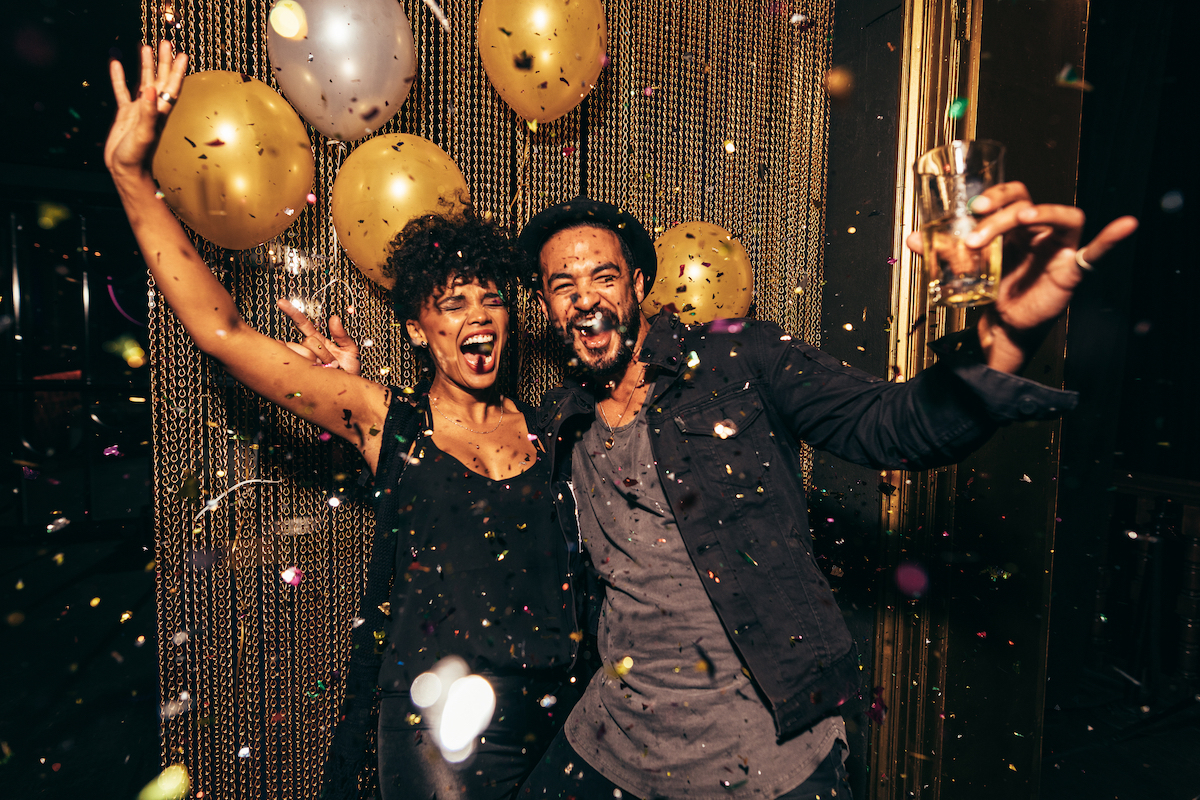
(963, 669)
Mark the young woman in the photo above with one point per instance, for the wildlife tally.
(467, 559)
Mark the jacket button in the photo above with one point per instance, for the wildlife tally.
(1027, 406)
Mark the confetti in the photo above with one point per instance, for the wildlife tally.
(958, 107)
(244, 752)
(730, 147)
(727, 326)
(547, 701)
(1068, 78)
(57, 524)
(171, 784)
(1172, 202)
(839, 83)
(173, 708)
(725, 429)
(292, 576)
(311, 198)
(112, 450)
(441, 16)
(911, 579)
(878, 709)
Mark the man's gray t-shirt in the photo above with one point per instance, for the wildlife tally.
(671, 713)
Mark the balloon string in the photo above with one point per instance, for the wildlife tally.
(437, 12)
(113, 295)
(521, 165)
(209, 505)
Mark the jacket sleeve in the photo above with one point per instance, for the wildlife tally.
(936, 418)
(350, 748)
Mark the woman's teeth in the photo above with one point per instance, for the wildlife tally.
(480, 344)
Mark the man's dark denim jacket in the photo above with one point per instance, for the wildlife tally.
(731, 402)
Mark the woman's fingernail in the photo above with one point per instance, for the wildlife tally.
(978, 203)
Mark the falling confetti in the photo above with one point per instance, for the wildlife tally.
(171, 784)
(725, 429)
(441, 16)
(1068, 78)
(112, 450)
(911, 579)
(1172, 202)
(839, 83)
(292, 576)
(958, 107)
(57, 524)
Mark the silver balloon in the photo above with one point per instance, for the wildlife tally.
(345, 65)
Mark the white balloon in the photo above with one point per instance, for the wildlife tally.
(345, 65)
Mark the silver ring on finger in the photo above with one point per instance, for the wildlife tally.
(167, 97)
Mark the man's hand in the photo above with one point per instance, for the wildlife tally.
(339, 351)
(1041, 270)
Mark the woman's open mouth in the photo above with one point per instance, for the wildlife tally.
(479, 351)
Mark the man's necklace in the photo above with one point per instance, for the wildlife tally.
(464, 427)
(612, 433)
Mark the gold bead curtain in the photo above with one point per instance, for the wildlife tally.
(708, 111)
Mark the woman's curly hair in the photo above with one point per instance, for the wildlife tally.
(431, 250)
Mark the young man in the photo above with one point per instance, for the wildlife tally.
(725, 655)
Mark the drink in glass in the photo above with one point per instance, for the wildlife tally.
(949, 178)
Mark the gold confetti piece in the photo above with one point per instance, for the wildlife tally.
(126, 616)
(413, 719)
(386, 608)
(171, 784)
(730, 147)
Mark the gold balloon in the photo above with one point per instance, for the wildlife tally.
(234, 161)
(703, 274)
(385, 183)
(543, 56)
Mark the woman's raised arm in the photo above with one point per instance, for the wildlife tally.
(343, 404)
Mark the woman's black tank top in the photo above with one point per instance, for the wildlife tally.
(481, 567)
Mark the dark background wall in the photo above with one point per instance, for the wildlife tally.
(79, 714)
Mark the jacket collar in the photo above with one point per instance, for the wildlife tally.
(662, 349)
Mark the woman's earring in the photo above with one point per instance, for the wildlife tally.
(422, 344)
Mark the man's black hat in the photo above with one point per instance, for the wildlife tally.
(581, 210)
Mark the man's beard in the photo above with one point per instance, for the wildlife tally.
(608, 368)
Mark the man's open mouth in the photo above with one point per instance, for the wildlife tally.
(595, 329)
